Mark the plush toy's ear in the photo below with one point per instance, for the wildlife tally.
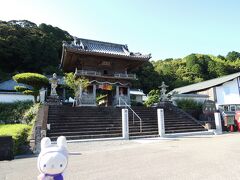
(61, 141)
(45, 142)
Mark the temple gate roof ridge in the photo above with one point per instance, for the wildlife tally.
(101, 47)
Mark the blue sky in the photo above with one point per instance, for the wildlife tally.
(164, 28)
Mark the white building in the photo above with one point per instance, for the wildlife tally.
(9, 95)
(224, 91)
(137, 95)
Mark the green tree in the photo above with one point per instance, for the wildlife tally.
(148, 78)
(76, 84)
(35, 80)
(153, 97)
(26, 47)
(233, 55)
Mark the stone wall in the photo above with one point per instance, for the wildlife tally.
(6, 148)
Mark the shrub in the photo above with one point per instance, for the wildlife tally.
(33, 79)
(153, 97)
(189, 104)
(20, 88)
(13, 112)
(20, 134)
(134, 103)
(37, 81)
(30, 115)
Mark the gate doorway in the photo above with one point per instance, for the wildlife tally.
(105, 95)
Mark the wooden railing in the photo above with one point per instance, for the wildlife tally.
(88, 72)
(97, 73)
(123, 75)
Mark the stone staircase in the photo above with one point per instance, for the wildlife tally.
(106, 122)
(176, 121)
(84, 122)
(149, 122)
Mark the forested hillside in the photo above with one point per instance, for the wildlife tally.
(26, 47)
(191, 69)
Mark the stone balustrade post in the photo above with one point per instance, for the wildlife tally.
(161, 126)
(125, 126)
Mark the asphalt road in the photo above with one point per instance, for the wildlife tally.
(196, 157)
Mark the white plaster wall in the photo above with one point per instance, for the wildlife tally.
(138, 98)
(8, 98)
(228, 93)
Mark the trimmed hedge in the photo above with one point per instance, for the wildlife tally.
(33, 79)
(20, 88)
(14, 112)
(19, 133)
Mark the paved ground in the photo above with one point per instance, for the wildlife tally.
(198, 157)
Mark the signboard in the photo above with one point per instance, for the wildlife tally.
(209, 107)
(105, 63)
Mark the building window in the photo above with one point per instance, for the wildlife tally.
(232, 108)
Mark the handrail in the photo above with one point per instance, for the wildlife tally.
(132, 111)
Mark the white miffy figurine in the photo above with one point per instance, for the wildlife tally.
(52, 160)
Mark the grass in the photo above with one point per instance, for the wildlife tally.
(19, 133)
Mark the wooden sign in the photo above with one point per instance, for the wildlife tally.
(209, 107)
(105, 63)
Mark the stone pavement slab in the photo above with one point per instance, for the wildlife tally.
(192, 157)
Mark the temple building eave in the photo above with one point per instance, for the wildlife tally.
(71, 49)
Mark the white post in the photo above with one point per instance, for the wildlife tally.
(161, 127)
(218, 123)
(125, 129)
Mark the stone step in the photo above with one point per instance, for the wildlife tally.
(139, 134)
(64, 133)
(182, 130)
(83, 123)
(102, 122)
(63, 120)
(79, 137)
(184, 127)
(82, 129)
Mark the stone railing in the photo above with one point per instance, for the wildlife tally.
(39, 129)
(97, 73)
(88, 100)
(118, 102)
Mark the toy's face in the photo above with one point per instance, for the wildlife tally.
(52, 163)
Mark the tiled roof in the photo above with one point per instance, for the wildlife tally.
(10, 84)
(87, 45)
(205, 84)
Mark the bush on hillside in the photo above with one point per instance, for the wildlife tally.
(20, 134)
